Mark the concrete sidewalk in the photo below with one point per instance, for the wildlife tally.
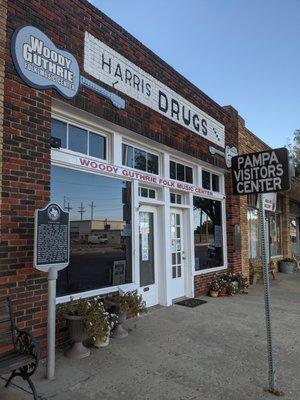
(216, 351)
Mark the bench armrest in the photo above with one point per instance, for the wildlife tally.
(26, 343)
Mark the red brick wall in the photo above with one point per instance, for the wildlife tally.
(26, 155)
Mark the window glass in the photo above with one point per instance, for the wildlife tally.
(189, 174)
(152, 193)
(144, 192)
(172, 170)
(140, 159)
(293, 231)
(172, 198)
(208, 233)
(97, 146)
(100, 230)
(152, 163)
(77, 139)
(59, 130)
(275, 234)
(205, 179)
(127, 156)
(179, 199)
(253, 233)
(215, 183)
(180, 172)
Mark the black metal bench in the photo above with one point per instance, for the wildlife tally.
(23, 359)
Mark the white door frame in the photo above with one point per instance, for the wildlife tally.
(184, 257)
(151, 295)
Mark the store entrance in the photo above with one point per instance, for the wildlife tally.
(148, 255)
(177, 254)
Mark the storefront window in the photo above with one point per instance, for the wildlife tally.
(275, 234)
(100, 230)
(293, 231)
(181, 172)
(208, 233)
(253, 233)
(78, 139)
(139, 159)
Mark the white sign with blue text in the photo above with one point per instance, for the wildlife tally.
(42, 65)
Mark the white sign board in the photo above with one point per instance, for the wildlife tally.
(269, 201)
(110, 67)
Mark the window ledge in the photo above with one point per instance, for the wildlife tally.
(210, 270)
(96, 292)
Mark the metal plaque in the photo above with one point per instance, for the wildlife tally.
(51, 238)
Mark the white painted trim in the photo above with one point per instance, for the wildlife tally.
(66, 111)
(210, 270)
(95, 292)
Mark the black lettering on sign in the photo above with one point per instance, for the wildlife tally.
(263, 172)
(162, 102)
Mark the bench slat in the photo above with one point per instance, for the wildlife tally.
(13, 360)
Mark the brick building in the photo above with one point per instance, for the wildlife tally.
(133, 142)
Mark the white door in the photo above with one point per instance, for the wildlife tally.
(177, 254)
(148, 255)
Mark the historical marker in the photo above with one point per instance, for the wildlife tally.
(51, 238)
(263, 172)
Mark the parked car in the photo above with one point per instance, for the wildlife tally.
(97, 239)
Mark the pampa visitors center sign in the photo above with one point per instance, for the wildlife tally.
(263, 172)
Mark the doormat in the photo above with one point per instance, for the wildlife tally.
(190, 302)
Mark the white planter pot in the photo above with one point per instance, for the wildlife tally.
(102, 343)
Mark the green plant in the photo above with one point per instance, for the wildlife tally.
(225, 282)
(127, 302)
(136, 304)
(96, 319)
(215, 284)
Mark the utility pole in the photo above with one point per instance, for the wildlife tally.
(92, 210)
(68, 207)
(81, 210)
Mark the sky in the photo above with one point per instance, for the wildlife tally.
(239, 52)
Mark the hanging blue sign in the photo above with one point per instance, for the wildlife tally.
(42, 65)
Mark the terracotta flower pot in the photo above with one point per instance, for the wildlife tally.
(214, 293)
(77, 333)
(223, 293)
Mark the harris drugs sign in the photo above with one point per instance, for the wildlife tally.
(262, 172)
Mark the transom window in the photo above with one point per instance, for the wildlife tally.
(78, 139)
(181, 172)
(210, 181)
(175, 198)
(146, 192)
(139, 159)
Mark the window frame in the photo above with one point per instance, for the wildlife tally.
(110, 289)
(145, 149)
(89, 129)
(224, 239)
(185, 164)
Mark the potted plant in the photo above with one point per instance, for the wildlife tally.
(99, 323)
(215, 287)
(135, 303)
(287, 265)
(75, 314)
(121, 305)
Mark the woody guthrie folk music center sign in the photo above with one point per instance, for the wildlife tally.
(263, 172)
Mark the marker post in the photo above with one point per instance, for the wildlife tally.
(267, 295)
